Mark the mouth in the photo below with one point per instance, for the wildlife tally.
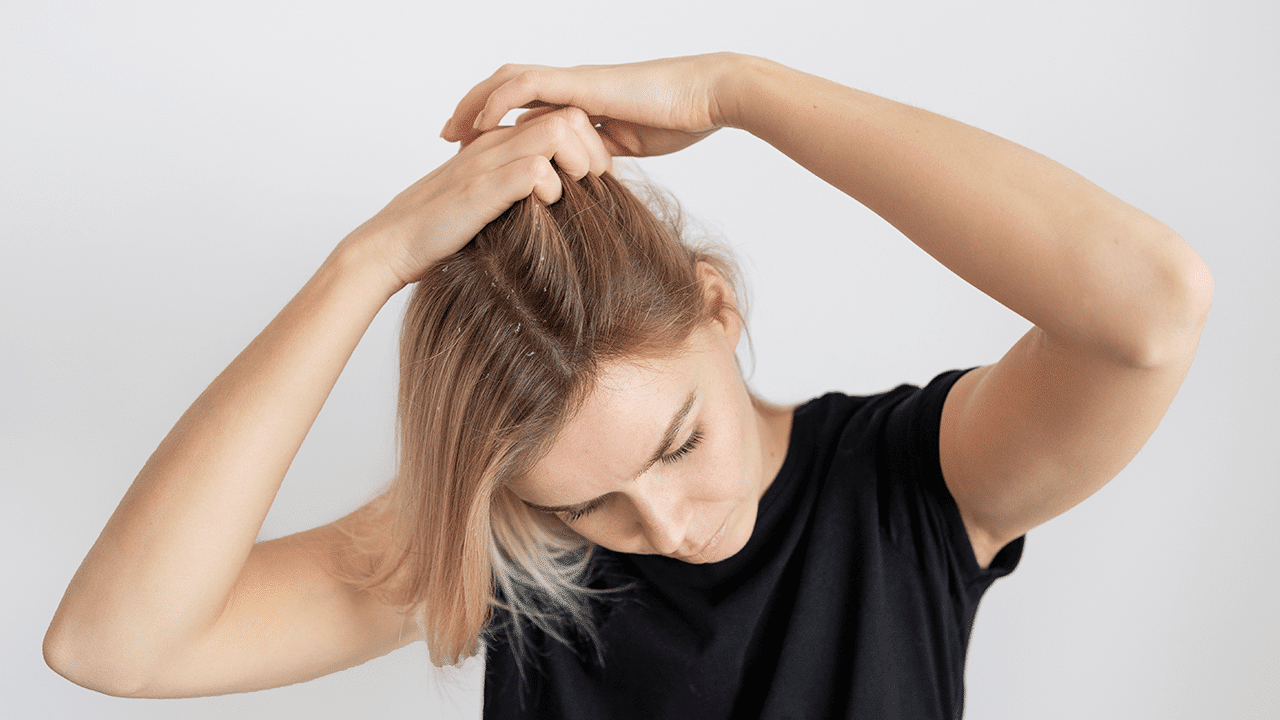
(701, 553)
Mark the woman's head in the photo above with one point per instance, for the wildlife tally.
(663, 457)
(552, 321)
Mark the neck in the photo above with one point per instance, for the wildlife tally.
(773, 422)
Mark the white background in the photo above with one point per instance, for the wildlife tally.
(170, 173)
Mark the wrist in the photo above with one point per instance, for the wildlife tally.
(362, 259)
(737, 80)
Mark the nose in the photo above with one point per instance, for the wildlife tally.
(663, 521)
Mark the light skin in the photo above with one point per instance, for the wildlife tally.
(176, 599)
(693, 497)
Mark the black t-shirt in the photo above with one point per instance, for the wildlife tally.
(854, 597)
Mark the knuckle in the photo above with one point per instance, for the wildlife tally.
(557, 128)
(527, 78)
(540, 167)
(576, 117)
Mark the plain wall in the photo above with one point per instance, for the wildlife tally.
(171, 173)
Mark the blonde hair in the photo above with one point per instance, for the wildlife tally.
(500, 346)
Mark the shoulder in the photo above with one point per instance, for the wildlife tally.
(889, 445)
(896, 416)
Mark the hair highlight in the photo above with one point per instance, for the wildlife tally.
(500, 346)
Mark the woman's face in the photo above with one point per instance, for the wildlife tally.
(666, 457)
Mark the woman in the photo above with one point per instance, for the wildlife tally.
(751, 560)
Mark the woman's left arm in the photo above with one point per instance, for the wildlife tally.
(1117, 298)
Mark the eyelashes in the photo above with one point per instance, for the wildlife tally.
(572, 516)
(684, 449)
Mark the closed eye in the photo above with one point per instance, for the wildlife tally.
(575, 514)
(684, 449)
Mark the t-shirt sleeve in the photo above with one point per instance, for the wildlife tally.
(918, 514)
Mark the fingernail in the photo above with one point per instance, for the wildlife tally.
(444, 132)
(476, 125)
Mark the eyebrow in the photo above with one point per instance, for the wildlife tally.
(664, 447)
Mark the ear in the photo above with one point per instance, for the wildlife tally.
(718, 296)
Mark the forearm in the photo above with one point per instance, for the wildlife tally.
(1088, 269)
(163, 567)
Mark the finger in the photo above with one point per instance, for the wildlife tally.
(485, 197)
(459, 125)
(620, 138)
(546, 184)
(528, 85)
(564, 135)
(582, 124)
(564, 132)
(531, 175)
(550, 138)
(600, 159)
(567, 136)
(538, 110)
(630, 139)
(484, 141)
(535, 113)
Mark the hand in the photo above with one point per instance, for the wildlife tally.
(437, 215)
(640, 109)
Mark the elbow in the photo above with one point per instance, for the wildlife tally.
(83, 666)
(1201, 287)
(1175, 313)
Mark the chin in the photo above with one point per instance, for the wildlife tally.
(734, 542)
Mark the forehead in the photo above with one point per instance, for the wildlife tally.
(616, 430)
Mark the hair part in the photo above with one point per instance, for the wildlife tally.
(501, 344)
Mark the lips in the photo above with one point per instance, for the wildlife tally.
(708, 546)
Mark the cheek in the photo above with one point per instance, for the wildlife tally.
(721, 472)
(605, 527)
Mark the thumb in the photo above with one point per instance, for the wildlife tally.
(621, 138)
(629, 139)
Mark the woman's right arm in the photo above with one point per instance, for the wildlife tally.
(175, 599)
